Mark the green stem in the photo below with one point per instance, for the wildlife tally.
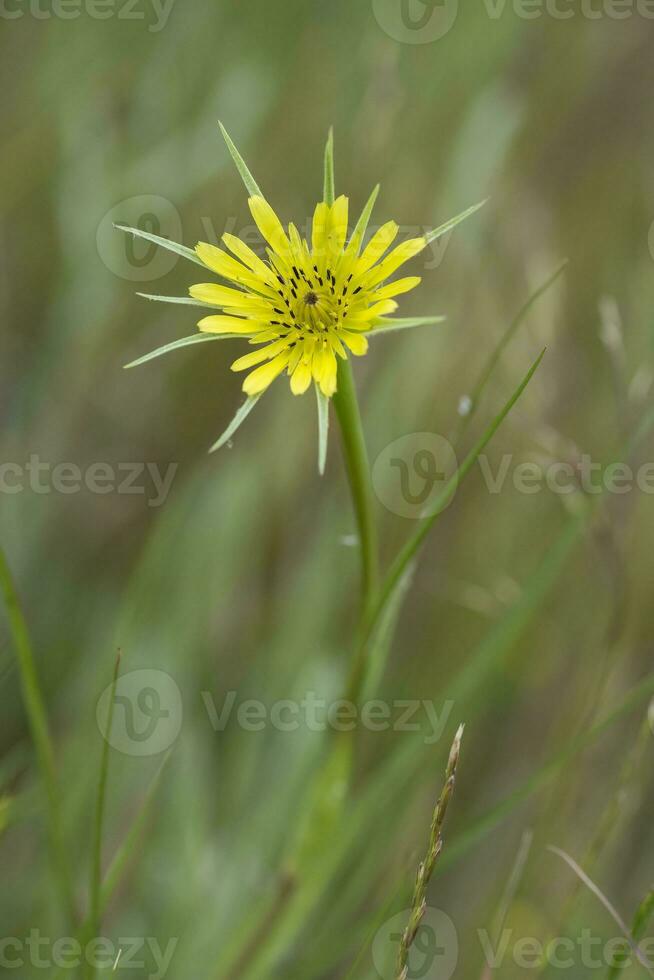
(358, 471)
(40, 732)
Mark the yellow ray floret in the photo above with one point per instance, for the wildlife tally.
(304, 305)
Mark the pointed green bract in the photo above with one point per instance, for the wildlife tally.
(403, 323)
(329, 191)
(431, 236)
(236, 422)
(251, 185)
(196, 338)
(323, 428)
(184, 300)
(186, 253)
(362, 224)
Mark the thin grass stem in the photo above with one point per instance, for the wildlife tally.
(38, 722)
(96, 867)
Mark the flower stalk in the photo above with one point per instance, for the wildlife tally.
(358, 471)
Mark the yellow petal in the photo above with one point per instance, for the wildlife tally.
(357, 342)
(324, 370)
(224, 265)
(228, 324)
(257, 356)
(380, 241)
(269, 225)
(301, 378)
(319, 231)
(338, 224)
(295, 357)
(218, 261)
(211, 292)
(249, 258)
(377, 309)
(328, 380)
(392, 262)
(263, 376)
(398, 287)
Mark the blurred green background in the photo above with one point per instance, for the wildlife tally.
(534, 623)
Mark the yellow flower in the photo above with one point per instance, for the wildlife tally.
(309, 303)
(306, 304)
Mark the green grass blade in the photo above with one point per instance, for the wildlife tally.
(488, 821)
(96, 867)
(388, 325)
(38, 722)
(397, 777)
(609, 907)
(127, 849)
(432, 236)
(236, 422)
(411, 548)
(121, 861)
(329, 192)
(186, 253)
(504, 341)
(503, 636)
(196, 338)
(323, 428)
(644, 913)
(382, 640)
(251, 185)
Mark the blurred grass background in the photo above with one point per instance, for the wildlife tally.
(242, 580)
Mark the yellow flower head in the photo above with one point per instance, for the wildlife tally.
(306, 304)
(309, 303)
